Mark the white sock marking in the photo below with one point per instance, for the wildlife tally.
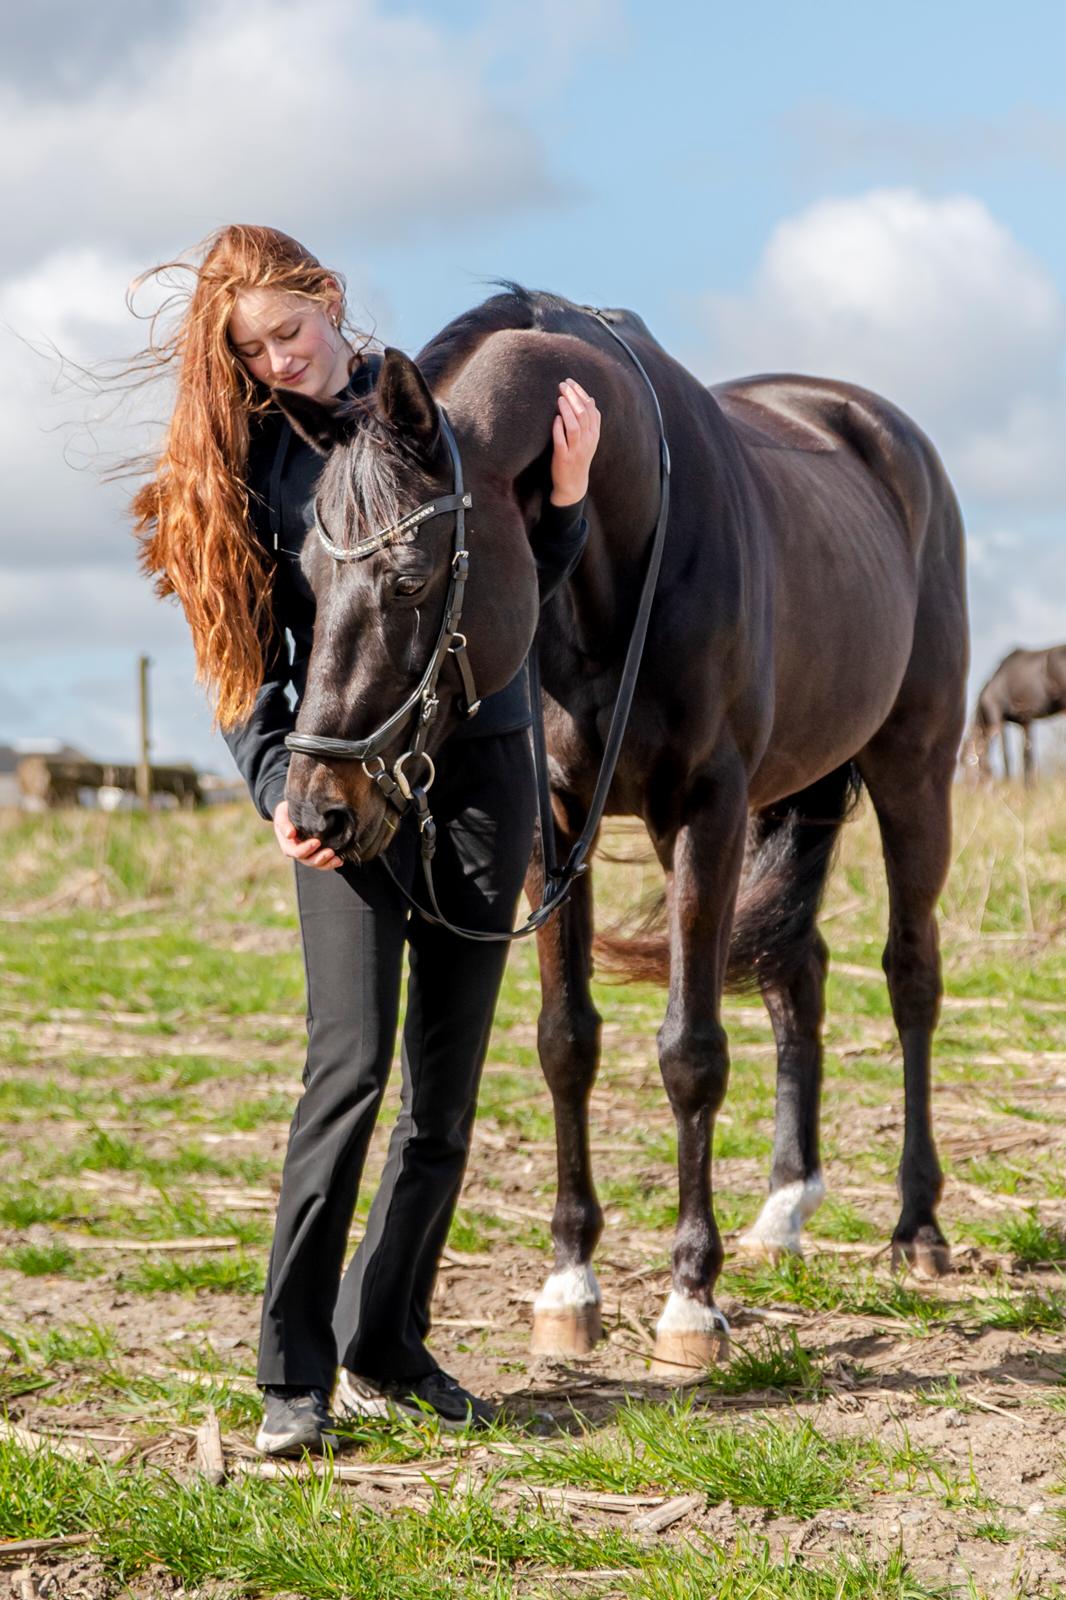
(682, 1314)
(779, 1225)
(572, 1289)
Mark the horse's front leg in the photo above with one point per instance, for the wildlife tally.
(702, 876)
(566, 1313)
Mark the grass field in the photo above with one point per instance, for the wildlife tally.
(872, 1439)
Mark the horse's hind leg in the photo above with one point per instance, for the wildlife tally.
(910, 786)
(795, 998)
(1028, 755)
(797, 1189)
(566, 1313)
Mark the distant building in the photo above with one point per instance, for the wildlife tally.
(12, 754)
(39, 774)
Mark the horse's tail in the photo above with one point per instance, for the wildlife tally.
(785, 868)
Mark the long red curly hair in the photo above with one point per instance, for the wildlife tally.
(192, 516)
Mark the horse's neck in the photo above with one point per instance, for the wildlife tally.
(506, 398)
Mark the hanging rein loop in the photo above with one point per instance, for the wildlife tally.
(397, 786)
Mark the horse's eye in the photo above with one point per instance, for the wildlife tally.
(409, 586)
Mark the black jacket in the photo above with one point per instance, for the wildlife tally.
(282, 473)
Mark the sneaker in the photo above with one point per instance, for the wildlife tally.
(455, 1407)
(356, 1399)
(295, 1420)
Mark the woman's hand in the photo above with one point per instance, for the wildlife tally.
(310, 851)
(575, 435)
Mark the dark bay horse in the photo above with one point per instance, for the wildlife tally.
(809, 629)
(1026, 686)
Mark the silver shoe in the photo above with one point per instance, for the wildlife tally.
(293, 1423)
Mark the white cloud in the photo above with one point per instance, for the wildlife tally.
(124, 138)
(1017, 593)
(934, 303)
(329, 117)
(102, 607)
(55, 429)
(69, 297)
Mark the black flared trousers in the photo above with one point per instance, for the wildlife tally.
(355, 926)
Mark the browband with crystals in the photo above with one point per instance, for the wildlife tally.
(401, 532)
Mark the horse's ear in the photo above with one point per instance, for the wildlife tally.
(322, 424)
(405, 401)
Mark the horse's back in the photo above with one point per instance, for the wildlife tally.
(793, 413)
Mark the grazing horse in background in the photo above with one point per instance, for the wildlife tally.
(1026, 686)
(808, 632)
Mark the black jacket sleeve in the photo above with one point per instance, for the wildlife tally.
(558, 541)
(258, 745)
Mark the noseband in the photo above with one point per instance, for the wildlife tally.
(400, 790)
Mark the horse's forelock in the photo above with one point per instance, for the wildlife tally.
(360, 489)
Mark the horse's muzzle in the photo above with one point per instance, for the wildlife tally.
(342, 809)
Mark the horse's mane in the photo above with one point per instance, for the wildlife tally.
(523, 309)
(517, 307)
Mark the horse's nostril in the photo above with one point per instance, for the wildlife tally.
(336, 826)
(332, 825)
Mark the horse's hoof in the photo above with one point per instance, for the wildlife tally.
(690, 1336)
(926, 1257)
(570, 1331)
(685, 1357)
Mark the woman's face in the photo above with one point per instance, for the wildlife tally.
(287, 342)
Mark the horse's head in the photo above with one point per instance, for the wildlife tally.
(387, 576)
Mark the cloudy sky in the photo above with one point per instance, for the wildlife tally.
(873, 193)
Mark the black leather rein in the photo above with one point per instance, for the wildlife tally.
(397, 786)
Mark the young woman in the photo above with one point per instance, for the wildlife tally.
(222, 523)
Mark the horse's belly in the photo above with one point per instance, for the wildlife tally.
(842, 643)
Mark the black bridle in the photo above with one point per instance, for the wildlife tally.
(396, 784)
(422, 701)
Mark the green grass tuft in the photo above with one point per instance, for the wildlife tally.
(1033, 1243)
(1035, 1311)
(787, 1468)
(770, 1362)
(224, 1273)
(48, 1261)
